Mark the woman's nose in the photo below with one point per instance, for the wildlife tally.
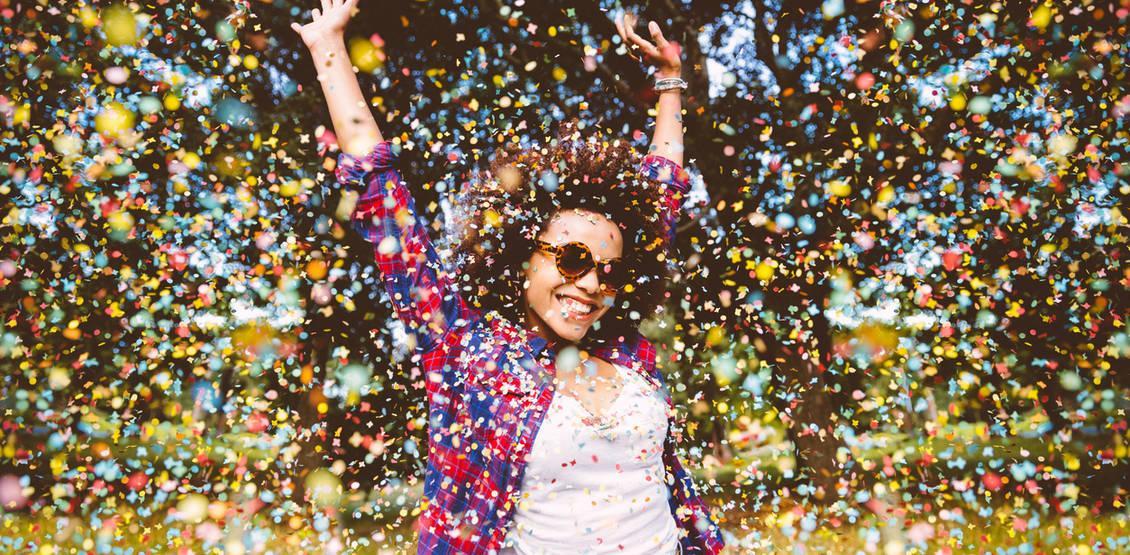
(589, 282)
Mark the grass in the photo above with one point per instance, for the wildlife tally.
(1003, 531)
(775, 525)
(784, 529)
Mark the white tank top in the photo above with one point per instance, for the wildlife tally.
(591, 488)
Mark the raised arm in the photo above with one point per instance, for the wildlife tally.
(664, 162)
(357, 131)
(666, 58)
(422, 292)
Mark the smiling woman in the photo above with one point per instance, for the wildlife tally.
(542, 312)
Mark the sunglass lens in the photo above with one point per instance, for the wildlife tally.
(574, 260)
(613, 275)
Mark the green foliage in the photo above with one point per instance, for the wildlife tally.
(908, 228)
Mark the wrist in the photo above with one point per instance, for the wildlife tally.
(669, 84)
(327, 45)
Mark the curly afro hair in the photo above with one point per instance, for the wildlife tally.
(503, 209)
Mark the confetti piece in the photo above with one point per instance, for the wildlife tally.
(894, 321)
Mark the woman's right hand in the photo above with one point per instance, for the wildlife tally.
(328, 23)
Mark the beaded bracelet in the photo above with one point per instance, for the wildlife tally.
(670, 83)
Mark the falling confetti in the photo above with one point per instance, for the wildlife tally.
(898, 321)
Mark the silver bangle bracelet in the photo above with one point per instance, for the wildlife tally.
(670, 83)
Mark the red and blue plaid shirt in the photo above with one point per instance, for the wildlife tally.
(489, 382)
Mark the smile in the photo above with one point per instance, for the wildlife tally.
(575, 308)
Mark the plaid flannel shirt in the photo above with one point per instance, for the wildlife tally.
(488, 381)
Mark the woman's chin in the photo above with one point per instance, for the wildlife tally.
(569, 331)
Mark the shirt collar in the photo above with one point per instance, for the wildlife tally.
(542, 347)
(538, 344)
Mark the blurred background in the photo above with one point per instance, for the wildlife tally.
(899, 323)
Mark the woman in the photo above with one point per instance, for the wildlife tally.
(548, 422)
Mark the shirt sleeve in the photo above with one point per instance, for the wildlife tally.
(423, 293)
(675, 182)
(699, 532)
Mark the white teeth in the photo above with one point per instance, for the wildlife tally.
(574, 306)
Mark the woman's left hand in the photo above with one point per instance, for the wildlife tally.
(665, 56)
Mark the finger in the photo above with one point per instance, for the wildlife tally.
(646, 47)
(630, 44)
(657, 35)
(315, 13)
(326, 6)
(629, 23)
(297, 28)
(638, 40)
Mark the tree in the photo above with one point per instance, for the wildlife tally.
(905, 209)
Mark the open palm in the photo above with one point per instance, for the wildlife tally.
(328, 22)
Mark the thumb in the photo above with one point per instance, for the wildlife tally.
(297, 28)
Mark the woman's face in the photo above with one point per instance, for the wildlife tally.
(560, 309)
